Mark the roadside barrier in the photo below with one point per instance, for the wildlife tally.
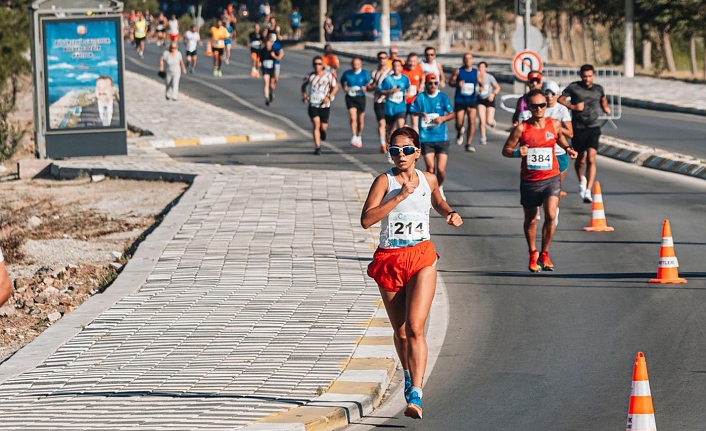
(598, 221)
(641, 413)
(668, 269)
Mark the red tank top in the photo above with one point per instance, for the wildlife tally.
(540, 163)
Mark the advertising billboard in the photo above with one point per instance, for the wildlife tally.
(83, 74)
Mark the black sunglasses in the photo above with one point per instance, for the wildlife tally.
(550, 93)
(382, 58)
(433, 82)
(407, 150)
(537, 105)
(318, 64)
(535, 81)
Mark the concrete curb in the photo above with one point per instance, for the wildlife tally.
(651, 157)
(356, 393)
(209, 140)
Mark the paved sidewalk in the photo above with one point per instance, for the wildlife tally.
(187, 121)
(641, 91)
(247, 308)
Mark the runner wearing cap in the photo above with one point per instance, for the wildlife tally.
(522, 113)
(468, 84)
(559, 112)
(539, 174)
(414, 72)
(434, 109)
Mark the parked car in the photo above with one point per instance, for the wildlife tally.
(362, 26)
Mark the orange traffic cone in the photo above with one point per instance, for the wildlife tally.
(598, 222)
(641, 413)
(667, 272)
(209, 51)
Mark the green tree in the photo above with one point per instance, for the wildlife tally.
(14, 45)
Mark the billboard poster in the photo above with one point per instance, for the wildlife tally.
(83, 74)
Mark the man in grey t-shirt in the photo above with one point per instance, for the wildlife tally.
(587, 100)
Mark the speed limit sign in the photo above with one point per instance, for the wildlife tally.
(525, 62)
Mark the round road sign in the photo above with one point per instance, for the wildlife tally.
(525, 62)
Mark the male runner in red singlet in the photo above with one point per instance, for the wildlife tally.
(539, 174)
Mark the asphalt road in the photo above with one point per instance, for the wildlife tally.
(550, 351)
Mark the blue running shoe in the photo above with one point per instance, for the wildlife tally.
(407, 386)
(414, 406)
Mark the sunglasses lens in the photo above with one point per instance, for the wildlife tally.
(406, 150)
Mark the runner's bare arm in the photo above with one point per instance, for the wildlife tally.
(513, 140)
(453, 81)
(5, 284)
(604, 105)
(561, 139)
(373, 209)
(442, 77)
(567, 129)
(516, 114)
(334, 89)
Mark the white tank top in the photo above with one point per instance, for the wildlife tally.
(408, 223)
(430, 68)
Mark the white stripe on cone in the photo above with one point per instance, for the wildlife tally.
(667, 242)
(598, 214)
(598, 198)
(668, 262)
(641, 388)
(641, 423)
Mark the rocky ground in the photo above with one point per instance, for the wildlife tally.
(64, 241)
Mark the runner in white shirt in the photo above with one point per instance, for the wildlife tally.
(173, 28)
(430, 65)
(559, 112)
(192, 40)
(319, 89)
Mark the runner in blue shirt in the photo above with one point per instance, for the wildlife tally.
(394, 88)
(355, 83)
(468, 85)
(295, 19)
(435, 109)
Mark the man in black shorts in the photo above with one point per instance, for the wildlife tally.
(378, 76)
(319, 89)
(355, 83)
(587, 100)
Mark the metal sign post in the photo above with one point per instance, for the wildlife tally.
(528, 11)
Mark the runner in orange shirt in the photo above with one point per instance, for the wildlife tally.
(413, 70)
(331, 63)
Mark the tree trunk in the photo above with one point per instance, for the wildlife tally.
(496, 36)
(692, 56)
(646, 49)
(585, 43)
(596, 46)
(574, 53)
(563, 36)
(548, 35)
(668, 54)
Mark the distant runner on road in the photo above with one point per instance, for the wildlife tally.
(378, 76)
(268, 55)
(414, 72)
(430, 65)
(192, 40)
(433, 109)
(319, 89)
(404, 265)
(467, 84)
(587, 101)
(539, 174)
(255, 43)
(355, 83)
(394, 88)
(218, 44)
